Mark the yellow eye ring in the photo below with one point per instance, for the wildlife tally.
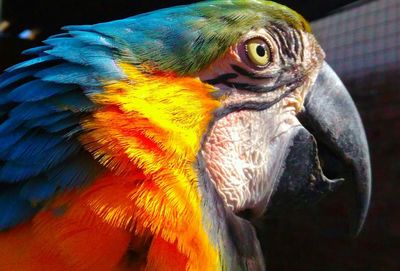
(258, 51)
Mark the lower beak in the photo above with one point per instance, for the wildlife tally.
(332, 143)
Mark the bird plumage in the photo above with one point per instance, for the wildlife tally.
(99, 136)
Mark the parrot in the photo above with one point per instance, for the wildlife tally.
(162, 140)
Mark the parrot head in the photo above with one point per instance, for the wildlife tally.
(196, 121)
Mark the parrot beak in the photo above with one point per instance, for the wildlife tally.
(330, 149)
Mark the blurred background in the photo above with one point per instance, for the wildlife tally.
(362, 43)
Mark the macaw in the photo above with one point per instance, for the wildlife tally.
(160, 141)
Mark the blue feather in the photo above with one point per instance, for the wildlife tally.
(36, 50)
(38, 189)
(4, 110)
(37, 90)
(10, 125)
(32, 145)
(4, 101)
(13, 209)
(71, 74)
(47, 159)
(69, 123)
(99, 58)
(78, 171)
(48, 120)
(31, 110)
(74, 101)
(35, 162)
(9, 78)
(60, 35)
(12, 172)
(77, 27)
(31, 62)
(57, 154)
(73, 132)
(64, 42)
(93, 38)
(9, 139)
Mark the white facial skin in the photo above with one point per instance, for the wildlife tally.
(244, 150)
(238, 155)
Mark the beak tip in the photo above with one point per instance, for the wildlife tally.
(360, 213)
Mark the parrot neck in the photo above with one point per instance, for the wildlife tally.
(152, 125)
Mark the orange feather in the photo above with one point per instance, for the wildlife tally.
(145, 211)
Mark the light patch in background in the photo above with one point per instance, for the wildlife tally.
(362, 39)
(29, 34)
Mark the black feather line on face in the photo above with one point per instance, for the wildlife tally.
(224, 80)
(258, 106)
(296, 37)
(288, 40)
(251, 75)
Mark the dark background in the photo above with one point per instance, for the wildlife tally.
(48, 16)
(312, 239)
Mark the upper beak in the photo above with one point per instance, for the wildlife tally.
(331, 144)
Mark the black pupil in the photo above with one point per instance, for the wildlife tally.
(260, 50)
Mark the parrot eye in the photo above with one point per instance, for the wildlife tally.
(258, 51)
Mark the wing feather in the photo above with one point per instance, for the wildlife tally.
(42, 102)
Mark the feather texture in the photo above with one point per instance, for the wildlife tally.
(37, 90)
(99, 135)
(14, 209)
